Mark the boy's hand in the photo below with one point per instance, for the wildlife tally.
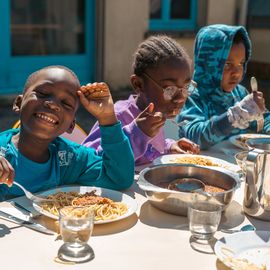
(185, 146)
(250, 108)
(259, 99)
(150, 122)
(97, 100)
(6, 172)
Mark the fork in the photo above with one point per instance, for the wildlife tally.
(180, 124)
(30, 195)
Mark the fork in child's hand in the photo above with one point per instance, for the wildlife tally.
(31, 196)
(180, 124)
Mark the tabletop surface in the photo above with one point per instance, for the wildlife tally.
(149, 239)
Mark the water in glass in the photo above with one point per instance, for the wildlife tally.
(76, 226)
(204, 219)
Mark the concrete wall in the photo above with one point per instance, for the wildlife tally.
(187, 43)
(125, 25)
(221, 11)
(260, 41)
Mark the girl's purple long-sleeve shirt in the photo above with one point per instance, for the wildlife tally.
(145, 148)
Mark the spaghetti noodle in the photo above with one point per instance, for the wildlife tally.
(104, 208)
(195, 160)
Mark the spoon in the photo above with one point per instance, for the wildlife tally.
(254, 88)
(245, 228)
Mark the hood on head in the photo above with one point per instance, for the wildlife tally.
(212, 47)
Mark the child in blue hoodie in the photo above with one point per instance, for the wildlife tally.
(220, 107)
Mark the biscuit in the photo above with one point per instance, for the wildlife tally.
(96, 90)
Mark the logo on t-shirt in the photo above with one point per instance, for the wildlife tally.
(65, 158)
(2, 151)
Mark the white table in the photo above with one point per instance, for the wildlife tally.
(149, 239)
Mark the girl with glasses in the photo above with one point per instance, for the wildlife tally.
(161, 81)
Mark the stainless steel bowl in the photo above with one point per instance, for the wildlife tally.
(176, 202)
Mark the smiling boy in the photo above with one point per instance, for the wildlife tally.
(35, 155)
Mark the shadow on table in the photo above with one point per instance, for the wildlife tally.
(4, 230)
(116, 226)
(260, 225)
(203, 246)
(156, 218)
(150, 215)
(232, 217)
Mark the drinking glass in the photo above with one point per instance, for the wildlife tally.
(76, 226)
(241, 158)
(204, 219)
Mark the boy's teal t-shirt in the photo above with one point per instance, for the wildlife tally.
(45, 172)
(71, 163)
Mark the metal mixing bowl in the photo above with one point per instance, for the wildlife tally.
(177, 202)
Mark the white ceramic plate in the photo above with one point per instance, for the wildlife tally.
(239, 140)
(167, 159)
(253, 246)
(111, 194)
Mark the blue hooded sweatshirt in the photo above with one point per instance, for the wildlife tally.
(206, 109)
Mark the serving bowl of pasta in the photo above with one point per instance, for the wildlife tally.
(108, 205)
(158, 182)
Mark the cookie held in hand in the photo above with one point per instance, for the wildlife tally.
(96, 90)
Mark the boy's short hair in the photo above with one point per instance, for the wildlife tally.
(155, 50)
(31, 78)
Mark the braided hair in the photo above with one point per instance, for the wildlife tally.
(155, 50)
(32, 77)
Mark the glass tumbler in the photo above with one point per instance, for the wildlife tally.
(76, 226)
(204, 219)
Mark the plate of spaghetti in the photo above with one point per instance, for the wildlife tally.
(200, 160)
(241, 139)
(109, 205)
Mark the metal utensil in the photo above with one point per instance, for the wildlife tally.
(31, 196)
(29, 224)
(32, 213)
(176, 202)
(254, 87)
(180, 124)
(245, 228)
(253, 84)
(20, 207)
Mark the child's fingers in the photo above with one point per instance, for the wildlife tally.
(96, 90)
(259, 99)
(151, 107)
(148, 110)
(189, 145)
(83, 99)
(6, 173)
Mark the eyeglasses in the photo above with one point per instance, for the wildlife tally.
(170, 91)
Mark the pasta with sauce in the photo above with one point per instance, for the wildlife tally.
(104, 208)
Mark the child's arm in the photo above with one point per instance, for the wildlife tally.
(203, 126)
(138, 139)
(6, 172)
(97, 100)
(113, 169)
